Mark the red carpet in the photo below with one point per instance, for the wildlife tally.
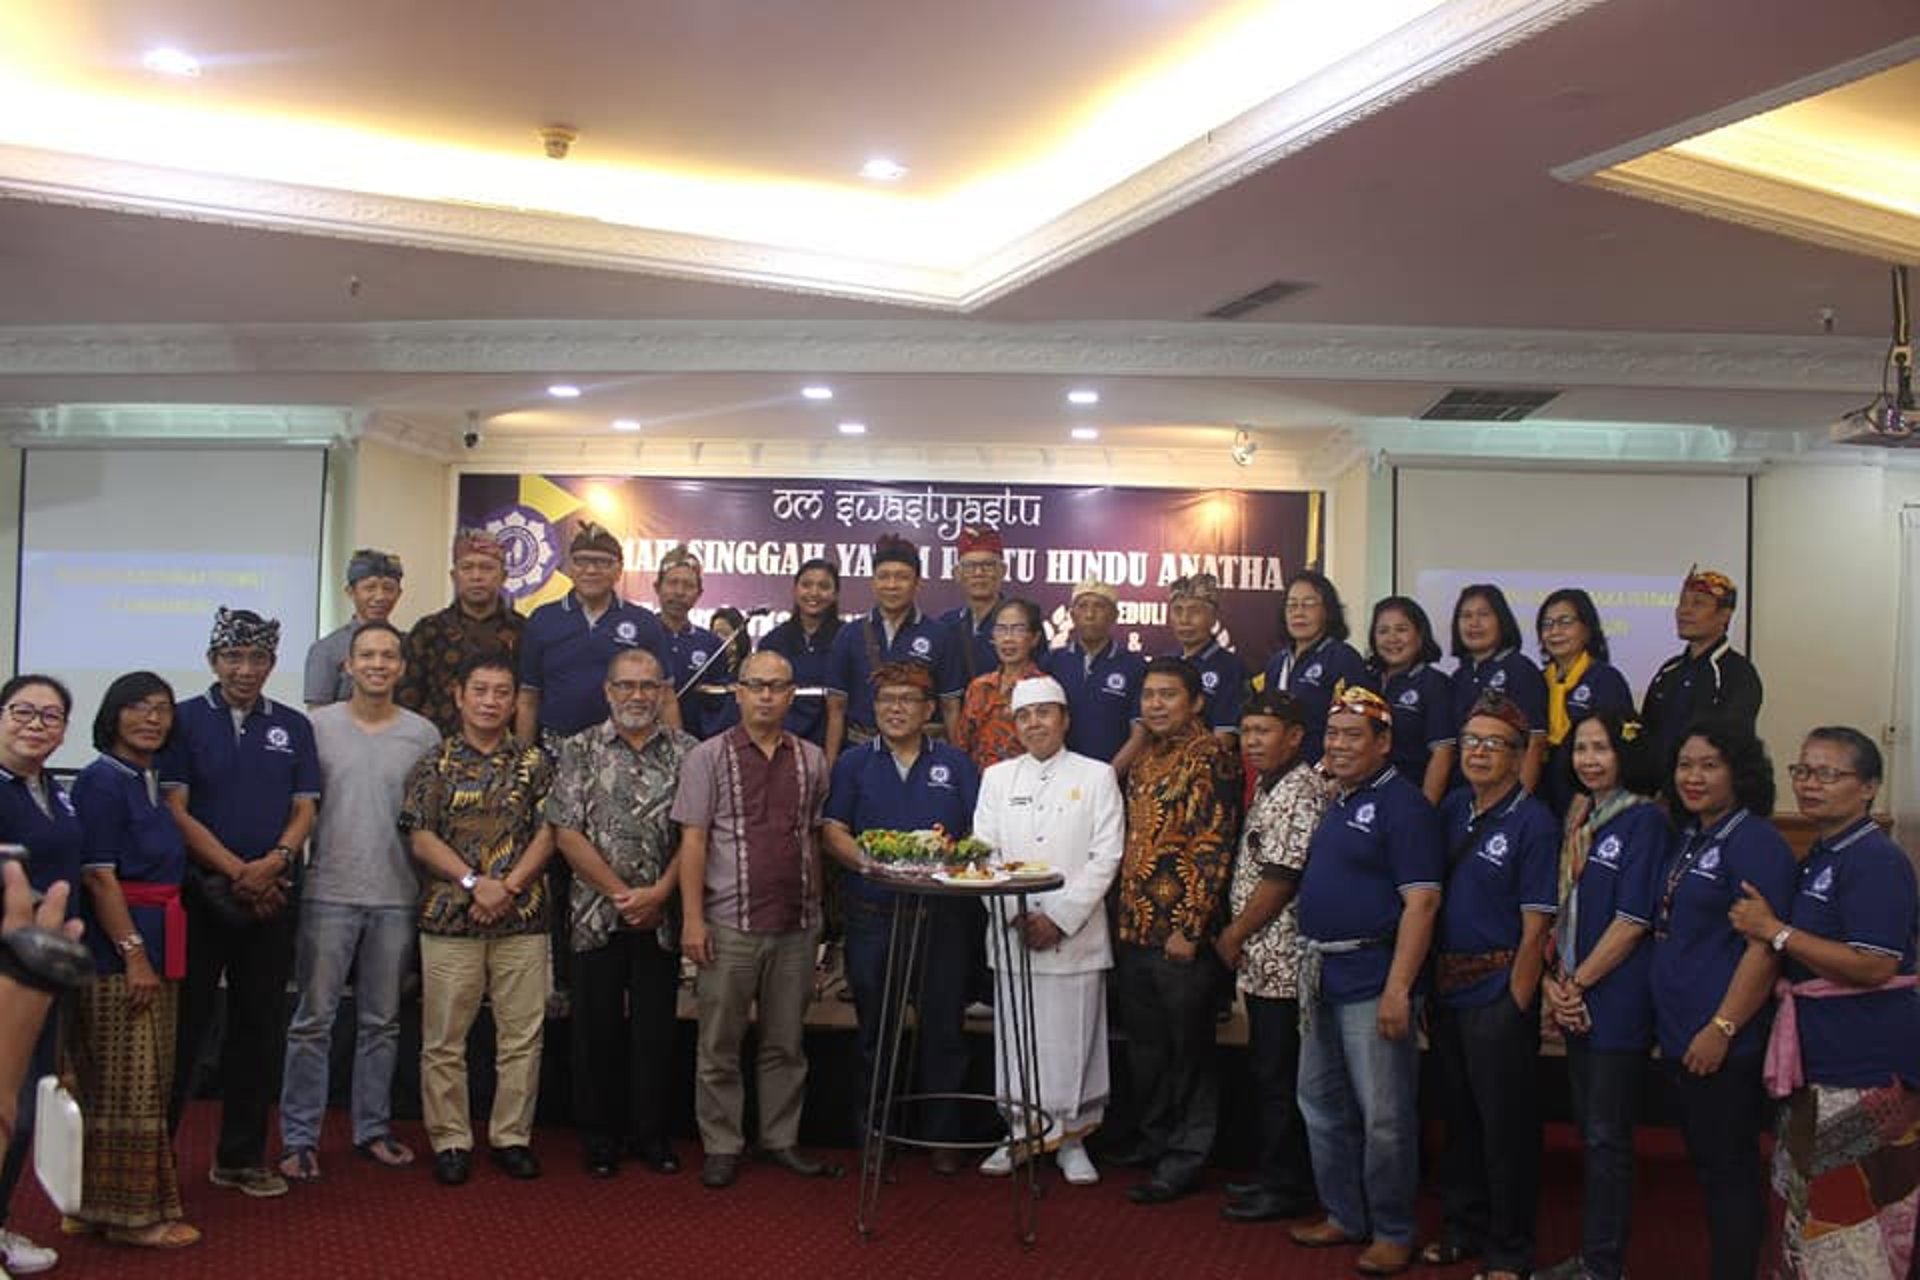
(363, 1220)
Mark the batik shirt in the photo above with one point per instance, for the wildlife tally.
(488, 808)
(436, 647)
(1183, 808)
(1280, 825)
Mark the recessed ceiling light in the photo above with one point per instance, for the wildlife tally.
(564, 391)
(882, 169)
(817, 393)
(1086, 433)
(1083, 395)
(853, 428)
(168, 61)
(626, 424)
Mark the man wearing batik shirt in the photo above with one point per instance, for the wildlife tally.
(982, 568)
(478, 621)
(611, 795)
(473, 818)
(1193, 613)
(1262, 944)
(1711, 678)
(373, 584)
(1183, 809)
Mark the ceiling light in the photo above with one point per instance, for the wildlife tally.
(1086, 433)
(168, 61)
(882, 169)
(853, 428)
(817, 393)
(564, 391)
(1083, 395)
(626, 424)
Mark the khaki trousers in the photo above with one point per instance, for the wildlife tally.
(511, 972)
(776, 971)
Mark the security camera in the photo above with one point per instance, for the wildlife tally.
(470, 438)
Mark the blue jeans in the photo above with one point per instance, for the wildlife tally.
(1359, 1094)
(1606, 1102)
(373, 944)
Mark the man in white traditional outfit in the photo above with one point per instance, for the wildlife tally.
(1055, 806)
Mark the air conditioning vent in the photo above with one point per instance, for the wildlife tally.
(1265, 296)
(1487, 404)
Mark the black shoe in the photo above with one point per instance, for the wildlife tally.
(1266, 1206)
(602, 1160)
(519, 1162)
(452, 1166)
(790, 1159)
(1154, 1191)
(1241, 1190)
(655, 1153)
(719, 1172)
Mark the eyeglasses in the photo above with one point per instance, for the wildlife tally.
(25, 713)
(766, 686)
(148, 710)
(592, 560)
(627, 688)
(1011, 629)
(1474, 742)
(1824, 775)
(1566, 623)
(1302, 604)
(979, 566)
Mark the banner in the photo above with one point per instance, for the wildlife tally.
(752, 535)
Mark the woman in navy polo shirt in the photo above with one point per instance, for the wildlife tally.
(1847, 1163)
(1579, 682)
(1400, 649)
(1597, 989)
(34, 812)
(1316, 658)
(1711, 985)
(1486, 640)
(804, 640)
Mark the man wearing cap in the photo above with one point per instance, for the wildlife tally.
(694, 663)
(1183, 810)
(1055, 806)
(242, 779)
(1261, 944)
(373, 585)
(478, 621)
(1101, 679)
(1368, 899)
(1193, 612)
(982, 566)
(1707, 679)
(1501, 896)
(905, 781)
(894, 631)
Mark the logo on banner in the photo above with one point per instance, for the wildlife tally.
(1608, 852)
(1495, 850)
(626, 633)
(530, 546)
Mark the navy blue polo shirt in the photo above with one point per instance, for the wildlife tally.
(1422, 702)
(53, 840)
(134, 834)
(701, 714)
(868, 794)
(974, 639)
(1695, 948)
(808, 656)
(1373, 844)
(1223, 682)
(1512, 673)
(564, 657)
(1505, 863)
(921, 639)
(1621, 881)
(1859, 889)
(241, 785)
(1311, 679)
(1103, 696)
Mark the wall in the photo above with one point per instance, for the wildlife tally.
(398, 501)
(11, 461)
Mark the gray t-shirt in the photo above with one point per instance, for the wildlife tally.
(326, 679)
(359, 856)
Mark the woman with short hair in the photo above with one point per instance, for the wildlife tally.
(1486, 641)
(1579, 681)
(1400, 651)
(1314, 657)
(987, 731)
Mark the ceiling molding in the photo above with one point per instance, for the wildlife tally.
(105, 425)
(1559, 358)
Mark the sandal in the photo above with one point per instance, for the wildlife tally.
(161, 1235)
(72, 1226)
(299, 1164)
(1444, 1253)
(386, 1150)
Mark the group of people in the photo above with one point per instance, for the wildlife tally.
(1364, 847)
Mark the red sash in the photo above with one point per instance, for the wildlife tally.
(167, 898)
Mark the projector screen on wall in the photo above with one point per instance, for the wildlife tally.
(124, 555)
(1627, 539)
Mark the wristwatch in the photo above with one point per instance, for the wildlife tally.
(1779, 942)
(131, 943)
(469, 880)
(1726, 1026)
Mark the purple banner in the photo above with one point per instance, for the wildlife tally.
(752, 535)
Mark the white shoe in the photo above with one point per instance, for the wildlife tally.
(1076, 1164)
(999, 1164)
(22, 1256)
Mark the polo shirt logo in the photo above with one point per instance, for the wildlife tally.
(626, 633)
(1409, 698)
(1498, 680)
(939, 775)
(1312, 674)
(921, 646)
(1608, 854)
(1822, 884)
(1709, 864)
(1583, 695)
(1362, 818)
(278, 739)
(699, 656)
(1209, 680)
(1495, 849)
(1116, 682)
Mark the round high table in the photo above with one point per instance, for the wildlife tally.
(1016, 1071)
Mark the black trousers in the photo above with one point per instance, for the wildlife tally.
(1606, 1103)
(1284, 1164)
(624, 1026)
(937, 981)
(1721, 1117)
(256, 960)
(1166, 1009)
(1490, 1171)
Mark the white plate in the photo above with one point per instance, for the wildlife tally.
(972, 882)
(1028, 873)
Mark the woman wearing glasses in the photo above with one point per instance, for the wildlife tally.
(986, 716)
(1400, 647)
(1711, 984)
(1315, 658)
(36, 813)
(1579, 681)
(1486, 640)
(1847, 1040)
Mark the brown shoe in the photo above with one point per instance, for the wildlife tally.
(1383, 1259)
(1321, 1235)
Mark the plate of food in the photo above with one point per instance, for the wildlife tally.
(921, 852)
(972, 877)
(1027, 870)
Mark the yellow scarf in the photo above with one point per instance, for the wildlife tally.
(1559, 724)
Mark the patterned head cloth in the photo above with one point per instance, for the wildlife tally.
(1095, 587)
(1203, 587)
(366, 563)
(1711, 582)
(980, 537)
(594, 537)
(913, 674)
(478, 542)
(1358, 700)
(1277, 703)
(680, 558)
(243, 629)
(1496, 705)
(891, 548)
